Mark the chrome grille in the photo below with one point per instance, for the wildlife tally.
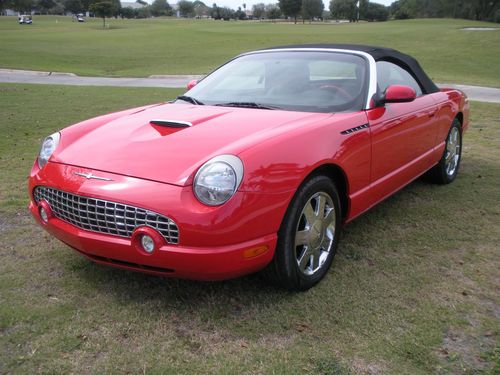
(103, 216)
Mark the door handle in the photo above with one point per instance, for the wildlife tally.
(432, 113)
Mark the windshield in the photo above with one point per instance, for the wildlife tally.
(290, 80)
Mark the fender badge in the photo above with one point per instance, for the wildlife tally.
(90, 176)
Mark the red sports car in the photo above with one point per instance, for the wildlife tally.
(257, 166)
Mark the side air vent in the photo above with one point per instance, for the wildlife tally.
(352, 130)
(171, 123)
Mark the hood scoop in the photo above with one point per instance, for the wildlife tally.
(176, 124)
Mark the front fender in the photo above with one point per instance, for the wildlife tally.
(282, 162)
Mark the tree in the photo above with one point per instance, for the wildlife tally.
(376, 12)
(363, 8)
(471, 9)
(102, 9)
(344, 9)
(86, 4)
(57, 8)
(186, 8)
(311, 9)
(273, 11)
(398, 12)
(45, 5)
(483, 10)
(161, 8)
(215, 12)
(128, 12)
(239, 14)
(259, 10)
(290, 8)
(4, 4)
(117, 7)
(74, 6)
(22, 6)
(144, 12)
(226, 13)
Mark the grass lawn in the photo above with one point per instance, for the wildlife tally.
(170, 46)
(414, 288)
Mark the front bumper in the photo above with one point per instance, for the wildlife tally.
(215, 242)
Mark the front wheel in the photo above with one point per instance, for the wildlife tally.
(447, 169)
(308, 236)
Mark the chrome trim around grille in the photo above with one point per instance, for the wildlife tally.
(97, 215)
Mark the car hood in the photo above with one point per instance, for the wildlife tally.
(131, 145)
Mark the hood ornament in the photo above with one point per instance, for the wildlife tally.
(90, 176)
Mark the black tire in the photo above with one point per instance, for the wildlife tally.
(305, 215)
(446, 170)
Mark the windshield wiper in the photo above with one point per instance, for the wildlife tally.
(245, 105)
(190, 99)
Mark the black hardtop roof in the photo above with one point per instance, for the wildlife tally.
(381, 54)
(354, 47)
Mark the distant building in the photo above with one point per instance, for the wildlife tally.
(133, 5)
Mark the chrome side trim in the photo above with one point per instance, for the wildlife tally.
(355, 129)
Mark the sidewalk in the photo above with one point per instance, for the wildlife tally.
(56, 78)
(477, 93)
(482, 94)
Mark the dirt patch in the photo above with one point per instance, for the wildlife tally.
(467, 351)
(360, 366)
(471, 347)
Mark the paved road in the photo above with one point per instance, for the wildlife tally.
(478, 93)
(482, 94)
(55, 78)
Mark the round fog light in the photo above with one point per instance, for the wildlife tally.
(147, 243)
(43, 215)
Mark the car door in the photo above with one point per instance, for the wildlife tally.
(403, 134)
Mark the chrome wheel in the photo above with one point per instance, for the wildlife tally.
(452, 155)
(315, 233)
(308, 236)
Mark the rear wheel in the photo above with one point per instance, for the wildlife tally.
(447, 168)
(308, 236)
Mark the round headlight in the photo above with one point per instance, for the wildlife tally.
(218, 179)
(49, 145)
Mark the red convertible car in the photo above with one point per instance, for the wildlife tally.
(257, 166)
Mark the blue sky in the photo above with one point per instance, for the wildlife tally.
(238, 3)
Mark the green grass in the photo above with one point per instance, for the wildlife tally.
(170, 46)
(414, 288)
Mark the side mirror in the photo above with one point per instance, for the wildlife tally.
(192, 84)
(399, 94)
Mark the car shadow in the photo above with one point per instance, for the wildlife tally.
(135, 287)
(177, 294)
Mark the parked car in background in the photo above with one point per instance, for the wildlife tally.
(257, 166)
(80, 17)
